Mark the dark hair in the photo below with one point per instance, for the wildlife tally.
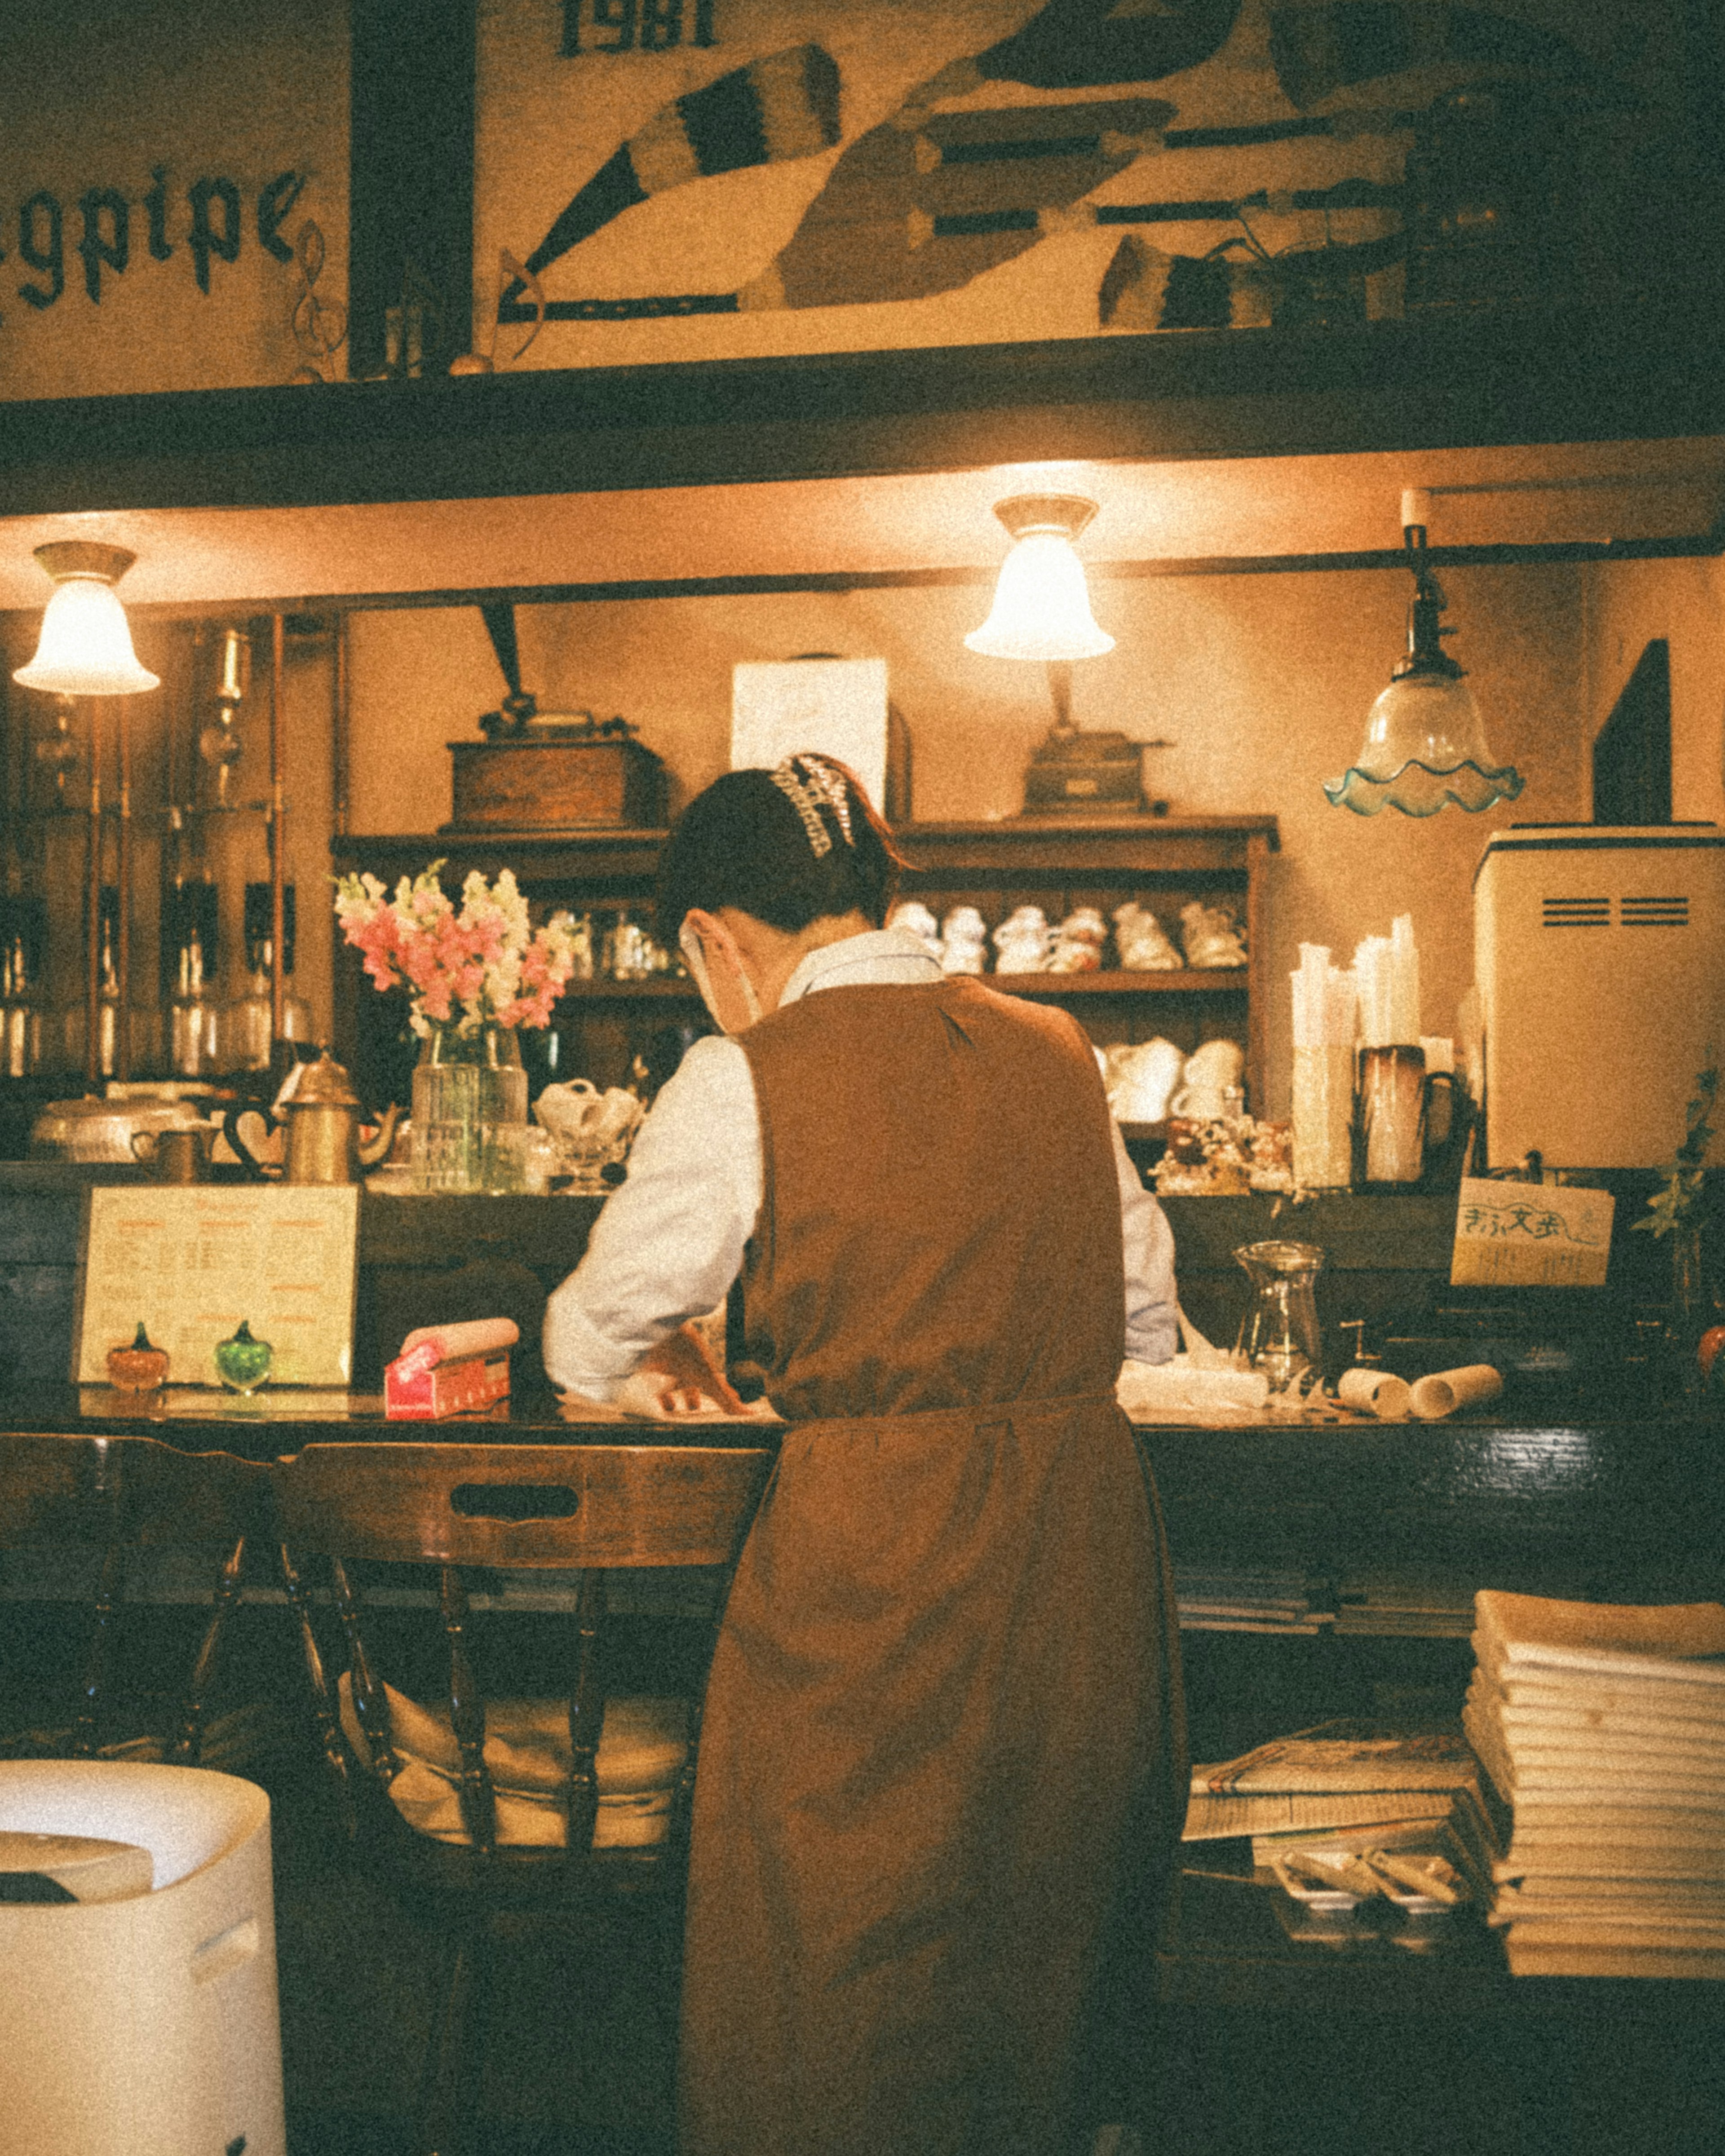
(753, 839)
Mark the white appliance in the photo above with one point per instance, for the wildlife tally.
(145, 2026)
(1599, 959)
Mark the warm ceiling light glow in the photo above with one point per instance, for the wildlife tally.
(1041, 608)
(86, 645)
(1425, 742)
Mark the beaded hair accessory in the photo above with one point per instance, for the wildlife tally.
(806, 782)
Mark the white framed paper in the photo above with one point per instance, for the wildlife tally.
(836, 707)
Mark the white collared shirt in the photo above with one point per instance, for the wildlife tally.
(668, 1242)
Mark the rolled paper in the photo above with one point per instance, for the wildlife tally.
(1442, 1394)
(1380, 1392)
(474, 1336)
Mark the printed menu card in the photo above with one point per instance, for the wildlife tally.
(190, 1263)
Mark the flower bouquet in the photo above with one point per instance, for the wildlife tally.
(474, 974)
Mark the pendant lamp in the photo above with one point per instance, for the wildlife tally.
(1425, 742)
(1041, 608)
(85, 646)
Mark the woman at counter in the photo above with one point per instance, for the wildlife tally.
(946, 1692)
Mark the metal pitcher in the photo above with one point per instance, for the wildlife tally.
(322, 1117)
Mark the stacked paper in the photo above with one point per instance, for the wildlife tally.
(1228, 1599)
(1603, 1726)
(1404, 1602)
(1390, 1783)
(1325, 1011)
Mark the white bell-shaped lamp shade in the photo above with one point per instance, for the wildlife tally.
(1041, 608)
(84, 648)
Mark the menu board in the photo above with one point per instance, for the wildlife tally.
(192, 1262)
(1530, 1235)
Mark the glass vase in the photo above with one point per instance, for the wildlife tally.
(469, 1123)
(1688, 1315)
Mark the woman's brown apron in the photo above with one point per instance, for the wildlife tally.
(945, 1687)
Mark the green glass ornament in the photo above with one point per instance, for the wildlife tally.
(241, 1363)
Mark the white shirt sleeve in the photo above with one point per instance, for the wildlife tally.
(1152, 1327)
(668, 1241)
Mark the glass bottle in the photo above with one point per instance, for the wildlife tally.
(249, 1021)
(22, 947)
(190, 957)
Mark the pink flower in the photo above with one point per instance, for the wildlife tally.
(485, 958)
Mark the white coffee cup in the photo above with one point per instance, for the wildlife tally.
(1146, 1079)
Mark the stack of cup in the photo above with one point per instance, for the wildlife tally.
(1323, 1071)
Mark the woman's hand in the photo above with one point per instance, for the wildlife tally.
(679, 1376)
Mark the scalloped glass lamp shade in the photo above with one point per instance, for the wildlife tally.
(84, 648)
(1041, 608)
(1425, 746)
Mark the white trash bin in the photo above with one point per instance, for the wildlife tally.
(147, 2026)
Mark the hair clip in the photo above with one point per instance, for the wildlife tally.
(828, 783)
(786, 778)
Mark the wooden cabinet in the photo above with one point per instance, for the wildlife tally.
(602, 1025)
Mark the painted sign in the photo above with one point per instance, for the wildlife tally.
(158, 167)
(674, 181)
(1530, 1235)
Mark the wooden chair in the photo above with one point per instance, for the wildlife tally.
(477, 1812)
(118, 1493)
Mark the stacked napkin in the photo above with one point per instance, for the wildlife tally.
(1603, 1726)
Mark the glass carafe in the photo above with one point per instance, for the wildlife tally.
(1279, 1334)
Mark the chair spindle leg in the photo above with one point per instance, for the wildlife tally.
(187, 1748)
(467, 1717)
(443, 2093)
(329, 1731)
(587, 1714)
(106, 1499)
(371, 1703)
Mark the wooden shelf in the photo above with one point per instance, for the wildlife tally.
(1600, 374)
(1052, 861)
(1187, 980)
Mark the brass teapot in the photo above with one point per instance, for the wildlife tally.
(322, 1117)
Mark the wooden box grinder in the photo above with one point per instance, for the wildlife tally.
(556, 785)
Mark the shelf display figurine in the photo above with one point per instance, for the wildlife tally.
(964, 942)
(1078, 942)
(915, 919)
(1142, 942)
(1212, 936)
(1021, 941)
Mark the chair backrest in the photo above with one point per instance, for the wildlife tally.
(108, 1490)
(583, 1508)
(120, 1492)
(519, 1506)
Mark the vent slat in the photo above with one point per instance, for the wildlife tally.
(1589, 912)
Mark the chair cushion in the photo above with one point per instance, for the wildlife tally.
(643, 1743)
